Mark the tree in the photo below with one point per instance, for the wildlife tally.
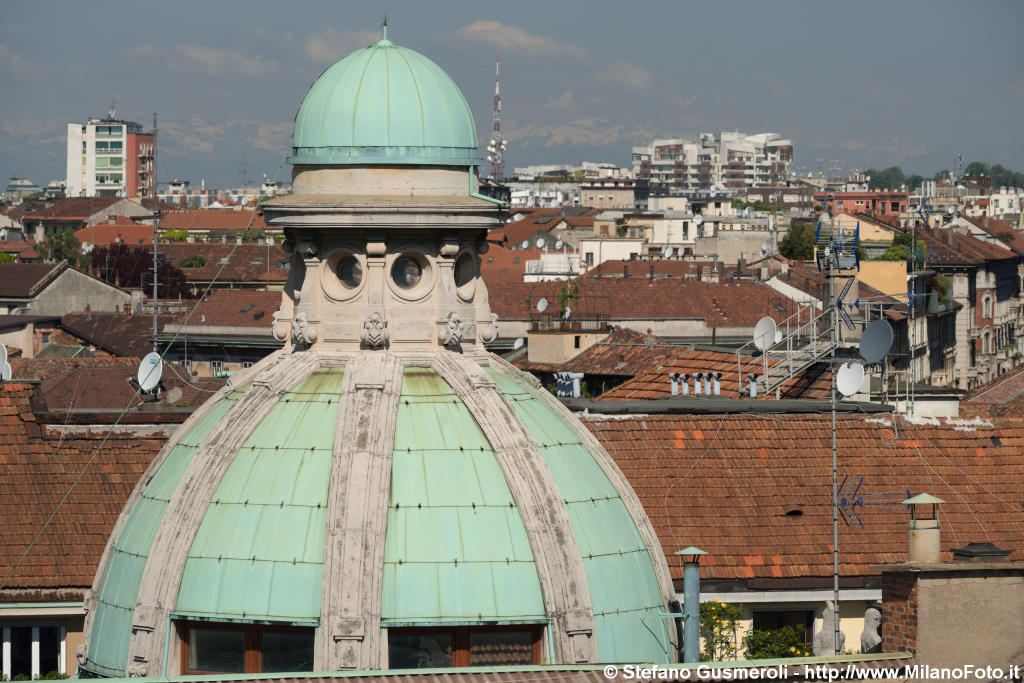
(798, 242)
(891, 178)
(60, 246)
(176, 235)
(194, 261)
(5, 257)
(899, 250)
(126, 266)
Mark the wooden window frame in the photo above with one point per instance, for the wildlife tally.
(253, 633)
(460, 638)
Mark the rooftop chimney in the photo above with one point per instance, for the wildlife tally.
(675, 387)
(924, 527)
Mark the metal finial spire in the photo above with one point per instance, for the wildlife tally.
(384, 28)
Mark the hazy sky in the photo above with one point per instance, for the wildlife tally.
(870, 83)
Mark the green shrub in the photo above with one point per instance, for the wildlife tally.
(784, 642)
(718, 629)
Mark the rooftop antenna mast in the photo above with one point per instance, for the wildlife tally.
(836, 250)
(156, 232)
(496, 147)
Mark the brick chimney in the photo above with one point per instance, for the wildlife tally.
(951, 613)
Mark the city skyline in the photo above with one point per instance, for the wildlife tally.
(871, 85)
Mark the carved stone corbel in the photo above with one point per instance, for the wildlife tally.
(280, 327)
(452, 330)
(489, 330)
(375, 331)
(303, 332)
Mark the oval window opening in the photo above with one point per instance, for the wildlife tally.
(350, 272)
(406, 272)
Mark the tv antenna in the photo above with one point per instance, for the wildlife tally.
(851, 498)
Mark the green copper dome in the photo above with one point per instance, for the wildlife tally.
(384, 104)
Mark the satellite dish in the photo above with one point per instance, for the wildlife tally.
(567, 312)
(150, 370)
(518, 343)
(698, 219)
(3, 355)
(950, 210)
(525, 244)
(876, 340)
(558, 244)
(540, 242)
(5, 373)
(665, 251)
(542, 305)
(849, 379)
(764, 333)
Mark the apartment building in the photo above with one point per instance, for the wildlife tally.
(109, 157)
(725, 160)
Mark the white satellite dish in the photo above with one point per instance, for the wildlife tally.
(876, 340)
(150, 370)
(698, 219)
(567, 312)
(665, 251)
(764, 333)
(5, 372)
(950, 210)
(849, 378)
(518, 343)
(3, 355)
(525, 244)
(558, 244)
(542, 305)
(540, 242)
(87, 248)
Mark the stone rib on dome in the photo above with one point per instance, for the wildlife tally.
(384, 104)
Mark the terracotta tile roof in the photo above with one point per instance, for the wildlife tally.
(105, 388)
(23, 251)
(249, 263)
(237, 308)
(653, 382)
(623, 353)
(541, 220)
(1003, 395)
(38, 468)
(116, 333)
(948, 247)
(123, 229)
(724, 305)
(211, 219)
(667, 268)
(500, 262)
(997, 228)
(74, 208)
(45, 368)
(726, 483)
(23, 280)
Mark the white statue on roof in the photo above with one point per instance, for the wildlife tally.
(824, 640)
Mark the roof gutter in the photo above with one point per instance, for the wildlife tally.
(692, 405)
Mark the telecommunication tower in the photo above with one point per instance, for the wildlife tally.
(496, 147)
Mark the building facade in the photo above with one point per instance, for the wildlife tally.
(726, 160)
(109, 158)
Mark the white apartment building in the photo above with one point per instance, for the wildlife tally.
(725, 160)
(108, 158)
